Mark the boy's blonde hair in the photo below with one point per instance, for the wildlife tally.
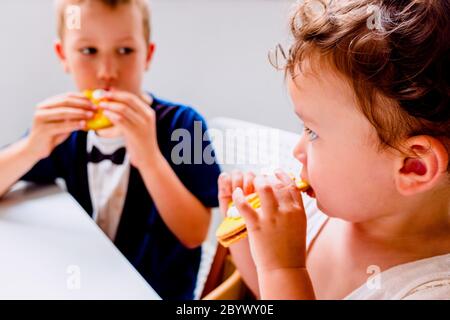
(61, 6)
(395, 53)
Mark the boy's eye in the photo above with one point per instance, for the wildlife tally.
(125, 51)
(312, 135)
(88, 51)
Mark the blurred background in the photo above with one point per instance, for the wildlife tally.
(211, 54)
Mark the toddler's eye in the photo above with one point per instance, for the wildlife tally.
(125, 51)
(312, 135)
(88, 51)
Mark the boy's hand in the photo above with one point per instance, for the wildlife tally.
(277, 231)
(54, 120)
(137, 122)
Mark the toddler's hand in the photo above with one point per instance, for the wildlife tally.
(277, 231)
(228, 183)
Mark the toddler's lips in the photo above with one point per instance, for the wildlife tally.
(310, 191)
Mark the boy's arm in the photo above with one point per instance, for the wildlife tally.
(182, 207)
(15, 161)
(54, 120)
(180, 210)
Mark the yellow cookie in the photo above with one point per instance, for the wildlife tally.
(232, 228)
(99, 121)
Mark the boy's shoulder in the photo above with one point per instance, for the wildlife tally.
(174, 115)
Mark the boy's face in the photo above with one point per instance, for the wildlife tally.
(109, 50)
(351, 178)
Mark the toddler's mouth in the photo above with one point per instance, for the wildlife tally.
(310, 192)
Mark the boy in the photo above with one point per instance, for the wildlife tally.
(157, 213)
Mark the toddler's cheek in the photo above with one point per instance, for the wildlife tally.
(330, 200)
(336, 197)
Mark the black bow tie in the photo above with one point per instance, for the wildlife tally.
(117, 157)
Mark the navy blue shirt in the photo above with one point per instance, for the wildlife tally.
(142, 237)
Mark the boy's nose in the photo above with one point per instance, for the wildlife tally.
(107, 72)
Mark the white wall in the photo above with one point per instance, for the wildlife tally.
(211, 54)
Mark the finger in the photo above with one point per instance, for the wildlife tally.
(121, 122)
(136, 103)
(269, 202)
(237, 179)
(281, 192)
(284, 198)
(283, 176)
(123, 110)
(60, 138)
(73, 102)
(64, 127)
(73, 94)
(249, 177)
(148, 99)
(62, 113)
(225, 192)
(292, 187)
(244, 208)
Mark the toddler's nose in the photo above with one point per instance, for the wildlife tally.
(299, 151)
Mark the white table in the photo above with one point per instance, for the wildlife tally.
(51, 249)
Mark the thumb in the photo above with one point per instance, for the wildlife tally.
(60, 138)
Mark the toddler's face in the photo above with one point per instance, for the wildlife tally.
(109, 50)
(351, 178)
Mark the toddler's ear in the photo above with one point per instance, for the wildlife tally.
(423, 168)
(59, 50)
